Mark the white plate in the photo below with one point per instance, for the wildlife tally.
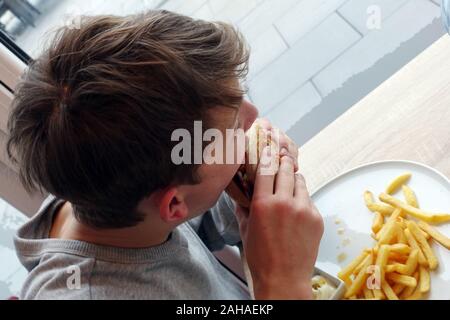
(342, 200)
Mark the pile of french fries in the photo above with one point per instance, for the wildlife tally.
(398, 266)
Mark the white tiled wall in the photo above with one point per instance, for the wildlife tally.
(356, 12)
(264, 16)
(292, 41)
(296, 66)
(295, 106)
(265, 49)
(306, 15)
(398, 28)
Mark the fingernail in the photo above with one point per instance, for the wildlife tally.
(284, 151)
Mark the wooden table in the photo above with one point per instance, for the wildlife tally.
(405, 118)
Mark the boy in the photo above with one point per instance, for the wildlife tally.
(92, 125)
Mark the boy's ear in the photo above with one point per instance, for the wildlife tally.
(172, 207)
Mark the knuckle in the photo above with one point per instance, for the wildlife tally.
(316, 222)
(280, 205)
(300, 177)
(283, 204)
(287, 163)
(283, 141)
(260, 204)
(287, 159)
(302, 208)
(319, 224)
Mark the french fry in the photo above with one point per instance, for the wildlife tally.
(348, 270)
(388, 223)
(396, 214)
(396, 184)
(416, 295)
(427, 251)
(436, 235)
(395, 257)
(402, 279)
(360, 279)
(401, 221)
(378, 221)
(411, 264)
(382, 259)
(390, 294)
(398, 288)
(433, 218)
(368, 198)
(408, 291)
(388, 234)
(424, 282)
(382, 208)
(401, 248)
(425, 234)
(378, 234)
(401, 238)
(348, 282)
(358, 268)
(368, 294)
(414, 245)
(410, 196)
(402, 256)
(378, 294)
(391, 267)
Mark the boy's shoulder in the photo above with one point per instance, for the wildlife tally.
(59, 276)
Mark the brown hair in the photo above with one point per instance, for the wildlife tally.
(93, 116)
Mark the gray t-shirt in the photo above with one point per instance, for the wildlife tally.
(181, 268)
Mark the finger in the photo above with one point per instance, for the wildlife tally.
(282, 139)
(265, 124)
(293, 148)
(301, 191)
(285, 180)
(285, 143)
(264, 182)
(241, 214)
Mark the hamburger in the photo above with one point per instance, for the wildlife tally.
(259, 136)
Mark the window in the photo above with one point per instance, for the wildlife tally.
(29, 22)
(11, 67)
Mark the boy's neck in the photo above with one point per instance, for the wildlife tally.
(144, 235)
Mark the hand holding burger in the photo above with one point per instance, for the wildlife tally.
(280, 226)
(262, 134)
